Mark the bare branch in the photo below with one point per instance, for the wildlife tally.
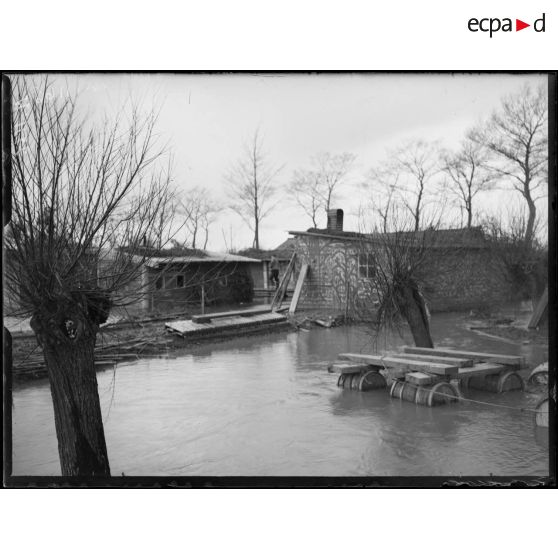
(516, 138)
(252, 183)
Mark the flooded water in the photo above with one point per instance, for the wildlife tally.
(266, 405)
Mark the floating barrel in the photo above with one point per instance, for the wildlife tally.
(403, 391)
(371, 380)
(539, 376)
(541, 418)
(510, 381)
(439, 394)
(362, 381)
(349, 381)
(354, 381)
(443, 393)
(422, 395)
(497, 383)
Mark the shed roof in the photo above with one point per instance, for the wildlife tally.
(462, 238)
(199, 256)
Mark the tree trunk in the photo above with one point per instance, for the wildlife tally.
(413, 308)
(530, 229)
(77, 410)
(256, 235)
(67, 334)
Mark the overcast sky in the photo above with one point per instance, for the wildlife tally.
(206, 119)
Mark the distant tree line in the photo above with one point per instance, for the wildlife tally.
(507, 153)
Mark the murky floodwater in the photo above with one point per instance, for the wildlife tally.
(267, 406)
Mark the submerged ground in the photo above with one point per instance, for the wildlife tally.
(266, 405)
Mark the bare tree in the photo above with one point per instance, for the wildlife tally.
(200, 211)
(467, 175)
(402, 259)
(517, 138)
(418, 163)
(165, 225)
(332, 170)
(314, 188)
(305, 190)
(79, 191)
(252, 183)
(525, 264)
(383, 186)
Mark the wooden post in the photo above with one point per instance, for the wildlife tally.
(265, 274)
(203, 298)
(146, 299)
(283, 284)
(539, 310)
(298, 288)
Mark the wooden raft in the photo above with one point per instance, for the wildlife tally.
(430, 376)
(244, 313)
(224, 325)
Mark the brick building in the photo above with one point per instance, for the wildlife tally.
(458, 272)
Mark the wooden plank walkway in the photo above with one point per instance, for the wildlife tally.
(244, 312)
(189, 328)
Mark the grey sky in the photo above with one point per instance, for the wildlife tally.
(207, 118)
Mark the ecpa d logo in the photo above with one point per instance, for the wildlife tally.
(492, 25)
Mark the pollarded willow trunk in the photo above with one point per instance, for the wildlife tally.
(413, 307)
(67, 337)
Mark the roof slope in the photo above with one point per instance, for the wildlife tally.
(470, 238)
(283, 252)
(199, 257)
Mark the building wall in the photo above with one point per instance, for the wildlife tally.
(466, 279)
(131, 296)
(168, 292)
(178, 287)
(454, 279)
(257, 271)
(333, 283)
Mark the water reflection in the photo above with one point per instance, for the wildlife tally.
(267, 406)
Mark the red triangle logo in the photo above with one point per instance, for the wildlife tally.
(519, 25)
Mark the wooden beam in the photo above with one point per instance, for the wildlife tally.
(483, 369)
(246, 312)
(510, 360)
(459, 362)
(283, 284)
(406, 364)
(298, 288)
(418, 378)
(539, 310)
(349, 368)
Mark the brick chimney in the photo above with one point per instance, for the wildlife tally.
(335, 220)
